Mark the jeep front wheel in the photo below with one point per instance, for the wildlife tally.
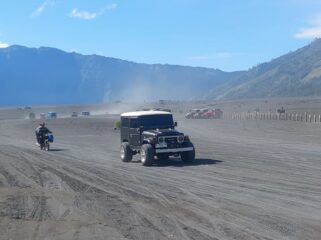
(126, 153)
(147, 154)
(188, 157)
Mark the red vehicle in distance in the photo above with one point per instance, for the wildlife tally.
(213, 113)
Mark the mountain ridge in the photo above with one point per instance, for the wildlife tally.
(281, 77)
(48, 75)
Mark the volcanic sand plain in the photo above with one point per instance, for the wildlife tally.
(252, 179)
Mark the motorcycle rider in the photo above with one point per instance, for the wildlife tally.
(41, 131)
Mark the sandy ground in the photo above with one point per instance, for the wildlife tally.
(251, 180)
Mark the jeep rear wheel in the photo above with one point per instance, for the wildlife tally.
(147, 154)
(126, 153)
(188, 157)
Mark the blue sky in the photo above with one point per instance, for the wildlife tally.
(228, 35)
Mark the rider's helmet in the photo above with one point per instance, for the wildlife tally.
(42, 124)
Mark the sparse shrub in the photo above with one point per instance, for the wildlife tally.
(116, 125)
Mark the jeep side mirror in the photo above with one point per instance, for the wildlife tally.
(175, 124)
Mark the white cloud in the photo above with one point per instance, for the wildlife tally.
(85, 15)
(4, 45)
(75, 13)
(111, 7)
(314, 31)
(42, 7)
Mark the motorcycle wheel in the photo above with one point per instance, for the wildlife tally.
(47, 147)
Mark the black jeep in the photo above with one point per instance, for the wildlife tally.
(152, 134)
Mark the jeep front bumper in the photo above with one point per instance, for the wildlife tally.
(174, 150)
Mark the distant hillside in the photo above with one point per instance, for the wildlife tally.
(297, 74)
(51, 76)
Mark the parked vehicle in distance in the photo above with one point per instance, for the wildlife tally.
(152, 134)
(192, 113)
(204, 113)
(85, 113)
(74, 114)
(201, 112)
(51, 115)
(42, 116)
(213, 113)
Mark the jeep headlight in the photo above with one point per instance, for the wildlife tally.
(180, 139)
(161, 139)
(152, 140)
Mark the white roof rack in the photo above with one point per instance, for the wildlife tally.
(144, 113)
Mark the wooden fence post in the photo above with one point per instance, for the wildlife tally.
(306, 116)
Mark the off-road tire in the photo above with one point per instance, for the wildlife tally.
(147, 154)
(188, 157)
(126, 153)
(47, 146)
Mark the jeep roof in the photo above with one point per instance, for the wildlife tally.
(144, 113)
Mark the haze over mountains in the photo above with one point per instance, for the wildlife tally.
(51, 76)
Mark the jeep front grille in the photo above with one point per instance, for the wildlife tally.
(172, 141)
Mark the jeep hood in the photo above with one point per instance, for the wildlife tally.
(162, 132)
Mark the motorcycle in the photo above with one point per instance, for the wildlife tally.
(45, 141)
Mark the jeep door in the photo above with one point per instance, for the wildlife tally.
(134, 133)
(124, 129)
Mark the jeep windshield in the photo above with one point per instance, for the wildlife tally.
(156, 121)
